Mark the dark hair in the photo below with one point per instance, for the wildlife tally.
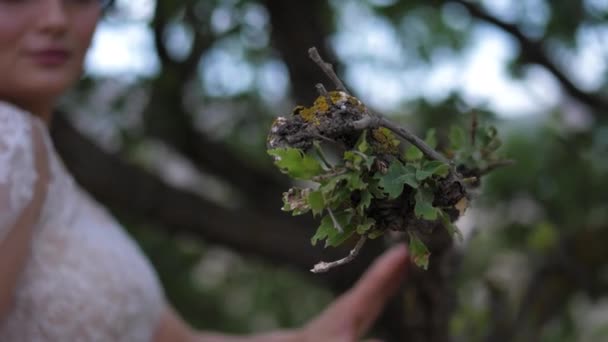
(106, 4)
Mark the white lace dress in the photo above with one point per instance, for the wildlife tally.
(85, 279)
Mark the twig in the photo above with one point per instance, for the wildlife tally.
(321, 89)
(326, 266)
(361, 154)
(376, 121)
(322, 155)
(322, 137)
(470, 180)
(330, 174)
(495, 165)
(327, 68)
(323, 92)
(336, 223)
(414, 140)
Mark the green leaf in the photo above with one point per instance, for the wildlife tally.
(323, 230)
(425, 211)
(450, 227)
(355, 182)
(357, 159)
(362, 145)
(338, 199)
(339, 238)
(436, 167)
(397, 176)
(424, 205)
(376, 233)
(410, 179)
(457, 138)
(296, 163)
(442, 170)
(413, 153)
(430, 168)
(366, 200)
(316, 202)
(354, 159)
(369, 162)
(422, 174)
(329, 185)
(328, 232)
(335, 190)
(431, 139)
(420, 253)
(362, 228)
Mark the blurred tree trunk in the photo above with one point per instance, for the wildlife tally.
(297, 26)
(421, 312)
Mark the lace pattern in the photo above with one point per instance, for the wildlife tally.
(86, 279)
(17, 172)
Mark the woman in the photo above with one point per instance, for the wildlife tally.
(68, 272)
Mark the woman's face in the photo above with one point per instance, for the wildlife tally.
(42, 45)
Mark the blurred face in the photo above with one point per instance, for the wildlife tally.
(42, 46)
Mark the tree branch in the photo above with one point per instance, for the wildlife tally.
(327, 68)
(326, 266)
(159, 24)
(140, 197)
(372, 120)
(534, 52)
(377, 121)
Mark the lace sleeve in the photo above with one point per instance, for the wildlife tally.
(17, 169)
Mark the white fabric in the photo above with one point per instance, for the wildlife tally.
(86, 279)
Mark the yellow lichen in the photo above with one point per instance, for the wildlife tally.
(355, 102)
(321, 106)
(307, 114)
(385, 141)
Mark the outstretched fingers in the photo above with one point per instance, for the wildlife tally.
(352, 314)
(365, 300)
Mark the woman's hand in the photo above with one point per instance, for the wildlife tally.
(350, 317)
(347, 319)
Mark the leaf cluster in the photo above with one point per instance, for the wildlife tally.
(369, 188)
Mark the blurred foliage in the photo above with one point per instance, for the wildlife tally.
(217, 289)
(557, 188)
